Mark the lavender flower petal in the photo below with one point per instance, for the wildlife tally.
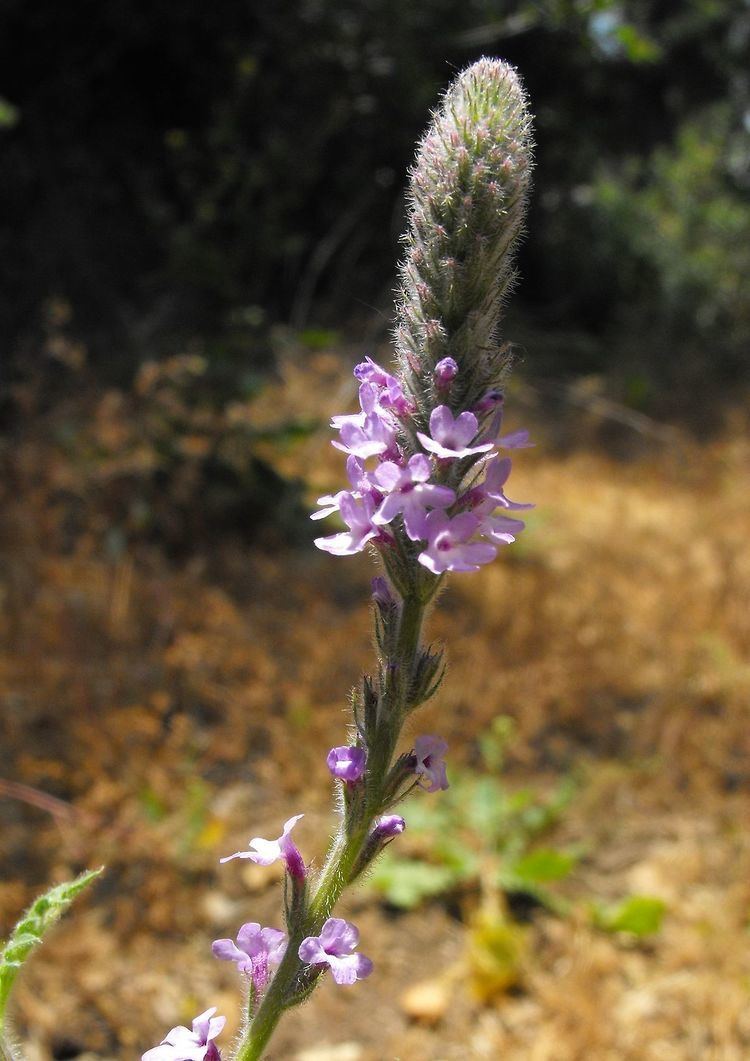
(334, 947)
(429, 751)
(347, 763)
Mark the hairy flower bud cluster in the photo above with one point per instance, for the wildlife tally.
(441, 487)
(467, 197)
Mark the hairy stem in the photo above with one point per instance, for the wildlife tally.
(346, 849)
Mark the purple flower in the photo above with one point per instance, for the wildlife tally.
(446, 371)
(491, 400)
(334, 947)
(409, 492)
(429, 751)
(258, 951)
(391, 392)
(368, 371)
(449, 544)
(499, 529)
(357, 475)
(452, 437)
(347, 764)
(388, 825)
(181, 1044)
(357, 514)
(382, 595)
(516, 440)
(497, 471)
(265, 852)
(368, 433)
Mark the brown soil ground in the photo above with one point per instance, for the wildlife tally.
(175, 709)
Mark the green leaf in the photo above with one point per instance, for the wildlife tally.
(543, 866)
(406, 883)
(486, 807)
(641, 915)
(637, 47)
(318, 338)
(9, 115)
(28, 933)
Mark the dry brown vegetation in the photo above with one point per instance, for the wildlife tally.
(173, 709)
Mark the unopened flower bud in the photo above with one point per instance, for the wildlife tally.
(446, 371)
(347, 764)
(388, 826)
(488, 402)
(467, 195)
(381, 593)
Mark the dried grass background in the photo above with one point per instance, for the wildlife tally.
(175, 709)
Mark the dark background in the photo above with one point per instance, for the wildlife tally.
(198, 172)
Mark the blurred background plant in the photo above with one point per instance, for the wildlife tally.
(486, 850)
(479, 837)
(194, 170)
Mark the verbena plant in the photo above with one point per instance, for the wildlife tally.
(427, 467)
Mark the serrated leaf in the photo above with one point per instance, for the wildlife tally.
(28, 933)
(641, 915)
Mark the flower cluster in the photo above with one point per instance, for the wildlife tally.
(446, 495)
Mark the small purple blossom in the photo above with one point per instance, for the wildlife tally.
(516, 440)
(450, 546)
(391, 392)
(265, 852)
(446, 371)
(257, 952)
(499, 529)
(369, 433)
(491, 400)
(347, 763)
(497, 471)
(388, 826)
(357, 476)
(182, 1044)
(429, 752)
(358, 514)
(335, 947)
(409, 492)
(452, 437)
(382, 595)
(369, 371)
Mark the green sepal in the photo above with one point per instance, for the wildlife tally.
(295, 902)
(428, 676)
(369, 701)
(304, 986)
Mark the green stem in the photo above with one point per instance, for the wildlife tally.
(345, 850)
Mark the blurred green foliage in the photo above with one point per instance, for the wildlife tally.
(683, 215)
(479, 834)
(173, 169)
(637, 915)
